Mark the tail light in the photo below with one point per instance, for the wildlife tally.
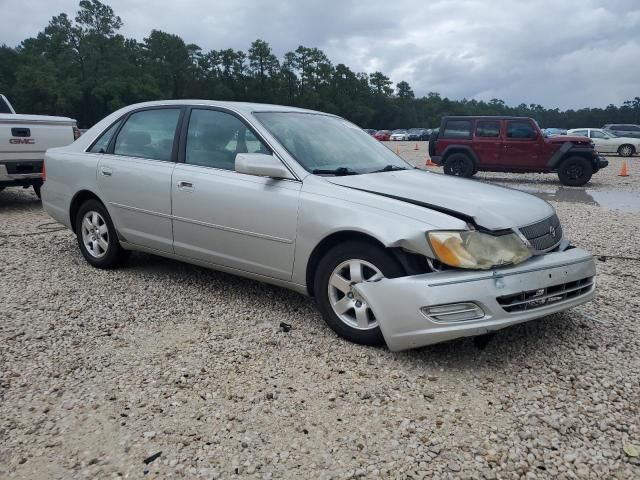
(76, 133)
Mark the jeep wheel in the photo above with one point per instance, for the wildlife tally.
(626, 150)
(459, 164)
(575, 171)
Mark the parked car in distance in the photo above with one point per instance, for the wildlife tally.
(466, 145)
(391, 253)
(382, 135)
(606, 142)
(623, 129)
(553, 132)
(370, 131)
(399, 135)
(418, 134)
(23, 141)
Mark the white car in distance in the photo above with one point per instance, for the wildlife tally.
(606, 142)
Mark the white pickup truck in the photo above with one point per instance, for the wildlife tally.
(23, 141)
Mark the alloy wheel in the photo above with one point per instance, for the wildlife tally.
(95, 234)
(346, 303)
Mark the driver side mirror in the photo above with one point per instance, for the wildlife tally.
(261, 165)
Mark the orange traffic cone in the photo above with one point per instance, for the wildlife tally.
(623, 170)
(417, 147)
(430, 163)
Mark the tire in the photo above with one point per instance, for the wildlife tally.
(459, 164)
(333, 280)
(106, 253)
(626, 150)
(575, 171)
(36, 189)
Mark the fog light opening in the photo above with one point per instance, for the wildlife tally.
(454, 312)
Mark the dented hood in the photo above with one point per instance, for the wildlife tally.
(488, 206)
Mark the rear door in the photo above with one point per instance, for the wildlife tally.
(226, 218)
(521, 145)
(134, 176)
(487, 142)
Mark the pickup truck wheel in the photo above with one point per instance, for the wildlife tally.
(341, 307)
(575, 171)
(626, 150)
(97, 237)
(459, 164)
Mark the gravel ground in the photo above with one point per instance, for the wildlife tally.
(101, 370)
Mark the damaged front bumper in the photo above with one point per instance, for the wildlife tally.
(477, 302)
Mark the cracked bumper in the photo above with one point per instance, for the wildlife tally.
(397, 303)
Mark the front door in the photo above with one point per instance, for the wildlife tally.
(134, 177)
(603, 142)
(244, 222)
(521, 145)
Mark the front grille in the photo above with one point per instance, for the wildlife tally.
(532, 299)
(545, 234)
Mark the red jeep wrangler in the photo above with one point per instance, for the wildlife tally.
(466, 145)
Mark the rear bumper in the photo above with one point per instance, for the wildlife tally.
(398, 303)
(18, 179)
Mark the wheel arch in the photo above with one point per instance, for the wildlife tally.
(76, 202)
(464, 149)
(330, 241)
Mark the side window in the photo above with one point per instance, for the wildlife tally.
(148, 134)
(520, 130)
(100, 146)
(487, 128)
(214, 138)
(581, 133)
(632, 128)
(597, 134)
(457, 129)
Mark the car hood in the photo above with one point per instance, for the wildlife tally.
(488, 206)
(568, 138)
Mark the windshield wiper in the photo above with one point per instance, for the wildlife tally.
(388, 168)
(336, 171)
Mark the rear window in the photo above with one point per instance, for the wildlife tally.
(457, 129)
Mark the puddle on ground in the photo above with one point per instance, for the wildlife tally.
(622, 200)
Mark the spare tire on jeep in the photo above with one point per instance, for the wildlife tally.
(459, 164)
(575, 171)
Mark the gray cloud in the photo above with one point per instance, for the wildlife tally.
(565, 54)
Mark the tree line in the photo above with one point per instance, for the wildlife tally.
(85, 69)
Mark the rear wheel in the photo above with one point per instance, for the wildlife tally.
(97, 236)
(626, 150)
(460, 165)
(344, 310)
(575, 171)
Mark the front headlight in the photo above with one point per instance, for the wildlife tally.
(477, 250)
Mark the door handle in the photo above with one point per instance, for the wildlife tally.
(105, 172)
(187, 186)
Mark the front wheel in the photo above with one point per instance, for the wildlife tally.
(575, 171)
(97, 236)
(460, 165)
(626, 150)
(344, 310)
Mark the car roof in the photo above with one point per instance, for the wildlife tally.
(243, 107)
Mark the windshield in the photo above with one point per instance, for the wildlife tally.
(323, 142)
(399, 131)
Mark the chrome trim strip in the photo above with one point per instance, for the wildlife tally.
(204, 224)
(495, 274)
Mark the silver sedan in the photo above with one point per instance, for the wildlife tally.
(606, 142)
(310, 202)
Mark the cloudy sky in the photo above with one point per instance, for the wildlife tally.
(559, 53)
